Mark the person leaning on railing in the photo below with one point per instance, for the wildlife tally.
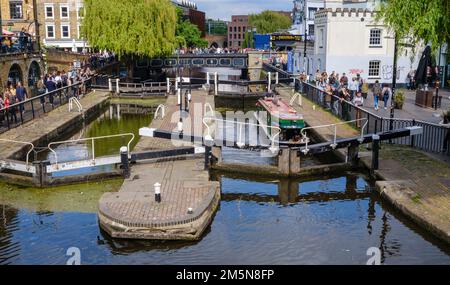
(358, 101)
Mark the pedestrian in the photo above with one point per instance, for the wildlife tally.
(376, 90)
(364, 89)
(51, 86)
(21, 95)
(353, 88)
(344, 96)
(358, 101)
(344, 80)
(386, 93)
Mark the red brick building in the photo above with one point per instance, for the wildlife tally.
(236, 30)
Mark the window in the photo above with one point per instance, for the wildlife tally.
(235, 29)
(311, 30)
(311, 12)
(65, 31)
(239, 29)
(15, 9)
(64, 9)
(50, 29)
(375, 37)
(374, 68)
(49, 11)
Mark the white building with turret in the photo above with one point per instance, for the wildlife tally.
(349, 40)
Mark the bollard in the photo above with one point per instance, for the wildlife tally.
(207, 157)
(179, 96)
(176, 83)
(269, 81)
(277, 79)
(125, 162)
(117, 86)
(110, 84)
(180, 126)
(157, 187)
(168, 85)
(207, 78)
(375, 151)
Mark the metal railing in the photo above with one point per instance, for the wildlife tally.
(74, 100)
(306, 140)
(22, 112)
(239, 141)
(161, 108)
(27, 161)
(92, 140)
(435, 137)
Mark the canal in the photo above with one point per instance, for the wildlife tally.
(319, 220)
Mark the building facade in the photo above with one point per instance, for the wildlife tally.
(60, 22)
(18, 14)
(303, 17)
(191, 13)
(236, 30)
(349, 40)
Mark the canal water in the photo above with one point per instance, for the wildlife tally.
(110, 122)
(321, 220)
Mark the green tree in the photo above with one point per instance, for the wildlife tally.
(188, 34)
(132, 27)
(425, 21)
(269, 22)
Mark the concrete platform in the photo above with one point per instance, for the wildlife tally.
(133, 213)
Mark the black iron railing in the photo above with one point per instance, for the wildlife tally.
(22, 112)
(435, 137)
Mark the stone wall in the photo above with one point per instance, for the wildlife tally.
(26, 66)
(59, 60)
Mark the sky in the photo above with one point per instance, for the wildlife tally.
(223, 9)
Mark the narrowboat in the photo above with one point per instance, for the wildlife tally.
(283, 116)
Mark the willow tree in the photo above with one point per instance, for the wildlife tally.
(425, 21)
(132, 27)
(268, 22)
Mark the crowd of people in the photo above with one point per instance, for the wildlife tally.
(20, 42)
(354, 89)
(211, 50)
(15, 93)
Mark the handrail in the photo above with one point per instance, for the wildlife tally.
(77, 102)
(25, 143)
(239, 143)
(334, 144)
(163, 111)
(93, 144)
(296, 95)
(206, 106)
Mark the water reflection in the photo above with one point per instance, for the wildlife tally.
(333, 220)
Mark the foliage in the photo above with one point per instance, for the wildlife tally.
(132, 27)
(248, 40)
(420, 20)
(269, 22)
(188, 34)
(399, 98)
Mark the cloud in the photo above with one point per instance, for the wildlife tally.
(223, 9)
